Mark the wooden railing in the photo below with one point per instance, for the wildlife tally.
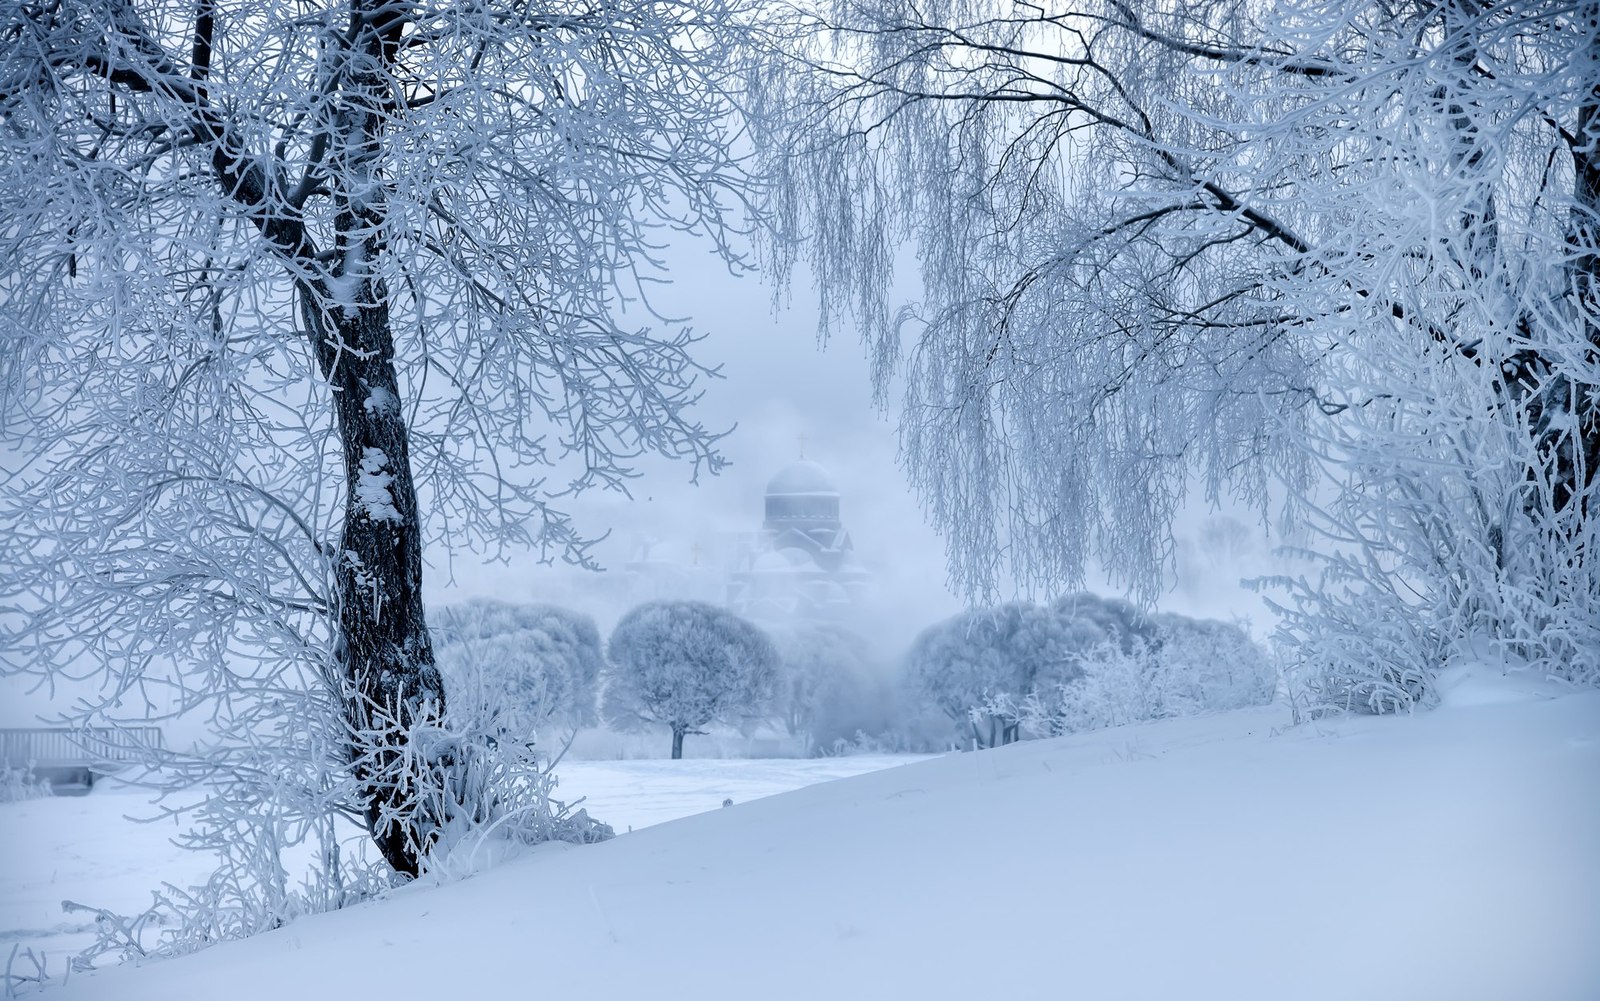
(59, 747)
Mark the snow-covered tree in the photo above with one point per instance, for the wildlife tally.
(684, 664)
(1119, 621)
(828, 689)
(1173, 666)
(522, 666)
(291, 287)
(1005, 652)
(1203, 665)
(1342, 249)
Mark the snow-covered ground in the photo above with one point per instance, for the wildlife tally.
(86, 849)
(1449, 856)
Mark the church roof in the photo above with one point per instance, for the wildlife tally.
(802, 477)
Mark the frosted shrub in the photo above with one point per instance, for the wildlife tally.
(1188, 667)
(286, 845)
(1002, 653)
(1117, 688)
(1359, 646)
(1203, 665)
(1443, 540)
(17, 784)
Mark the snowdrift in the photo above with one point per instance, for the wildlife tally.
(1453, 855)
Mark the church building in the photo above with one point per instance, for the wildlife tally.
(802, 564)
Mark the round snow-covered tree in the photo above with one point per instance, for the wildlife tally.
(1203, 665)
(685, 664)
(1003, 653)
(1097, 619)
(523, 666)
(1141, 668)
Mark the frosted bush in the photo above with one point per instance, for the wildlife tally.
(474, 795)
(1202, 665)
(1003, 653)
(17, 784)
(1187, 667)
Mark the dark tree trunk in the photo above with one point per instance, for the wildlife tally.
(1565, 412)
(1581, 460)
(978, 742)
(677, 743)
(384, 650)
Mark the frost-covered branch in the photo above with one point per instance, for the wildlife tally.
(1259, 250)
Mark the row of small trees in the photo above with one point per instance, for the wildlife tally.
(998, 673)
(1082, 663)
(680, 664)
(523, 669)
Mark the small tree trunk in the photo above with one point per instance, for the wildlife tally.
(677, 743)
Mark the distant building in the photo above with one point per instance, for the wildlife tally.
(802, 565)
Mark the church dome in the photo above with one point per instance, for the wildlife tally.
(798, 558)
(801, 477)
(802, 497)
(770, 562)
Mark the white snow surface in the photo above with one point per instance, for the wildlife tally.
(1450, 855)
(88, 850)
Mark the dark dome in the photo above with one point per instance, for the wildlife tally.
(801, 477)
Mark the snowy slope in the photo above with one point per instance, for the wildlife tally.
(89, 849)
(1454, 855)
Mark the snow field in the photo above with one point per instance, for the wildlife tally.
(86, 849)
(1449, 855)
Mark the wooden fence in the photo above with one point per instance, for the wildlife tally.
(60, 747)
